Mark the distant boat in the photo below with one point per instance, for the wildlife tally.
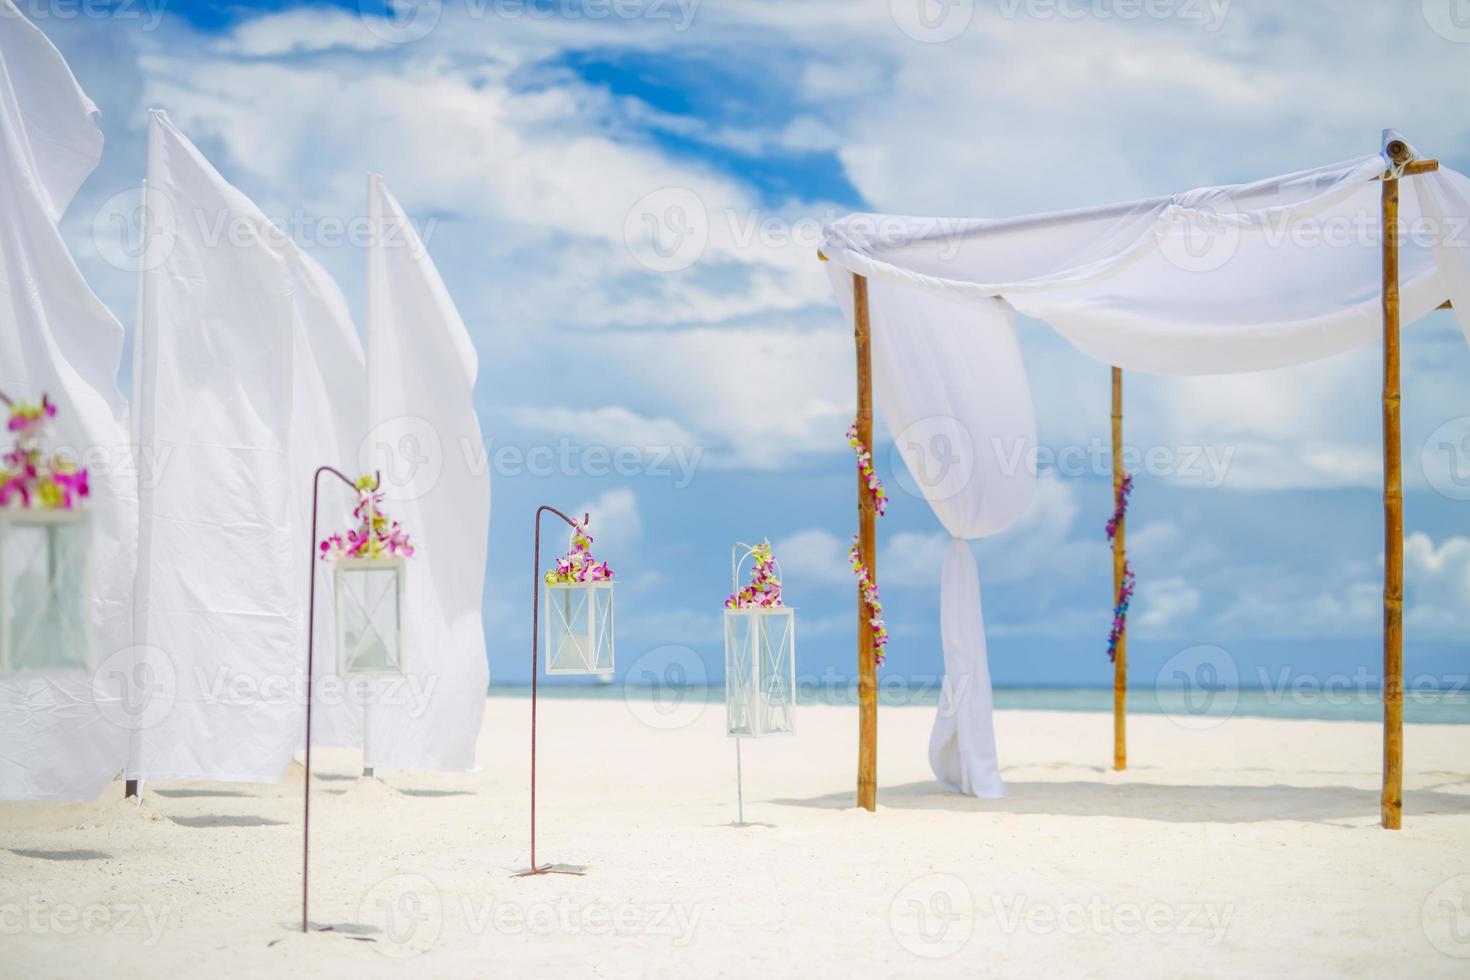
(605, 678)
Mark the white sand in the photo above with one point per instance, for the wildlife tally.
(1248, 848)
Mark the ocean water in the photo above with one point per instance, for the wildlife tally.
(1199, 708)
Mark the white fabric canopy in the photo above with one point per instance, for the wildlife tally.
(425, 440)
(248, 374)
(1216, 280)
(59, 734)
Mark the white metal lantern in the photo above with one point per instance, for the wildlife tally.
(370, 615)
(579, 627)
(45, 579)
(760, 669)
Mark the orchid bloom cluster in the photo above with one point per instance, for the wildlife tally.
(375, 535)
(578, 565)
(865, 581)
(865, 469)
(1125, 592)
(27, 477)
(764, 590)
(870, 599)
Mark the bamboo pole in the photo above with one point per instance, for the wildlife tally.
(1391, 809)
(1120, 556)
(867, 783)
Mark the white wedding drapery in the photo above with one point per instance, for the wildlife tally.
(63, 736)
(1215, 280)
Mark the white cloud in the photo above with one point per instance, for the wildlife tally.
(612, 426)
(616, 524)
(1437, 584)
(815, 555)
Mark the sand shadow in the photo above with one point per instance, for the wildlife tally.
(1165, 803)
(434, 794)
(219, 820)
(193, 794)
(77, 855)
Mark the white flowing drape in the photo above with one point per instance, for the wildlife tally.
(425, 439)
(948, 380)
(60, 735)
(1216, 280)
(248, 375)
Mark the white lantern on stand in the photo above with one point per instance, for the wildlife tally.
(579, 627)
(45, 553)
(760, 651)
(369, 595)
(45, 576)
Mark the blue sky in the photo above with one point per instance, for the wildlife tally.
(531, 140)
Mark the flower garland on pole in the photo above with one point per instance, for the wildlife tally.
(29, 479)
(1125, 592)
(375, 535)
(866, 584)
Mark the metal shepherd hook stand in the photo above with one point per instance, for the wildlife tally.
(535, 670)
(310, 665)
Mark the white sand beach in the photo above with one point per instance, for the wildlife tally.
(1251, 847)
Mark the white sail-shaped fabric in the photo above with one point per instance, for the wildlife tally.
(425, 440)
(61, 735)
(1211, 281)
(245, 374)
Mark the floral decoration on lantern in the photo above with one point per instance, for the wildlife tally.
(865, 579)
(375, 535)
(764, 590)
(1125, 593)
(578, 565)
(28, 478)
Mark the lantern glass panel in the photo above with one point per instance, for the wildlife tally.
(579, 627)
(370, 616)
(760, 671)
(44, 582)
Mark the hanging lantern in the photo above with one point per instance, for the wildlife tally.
(579, 611)
(370, 573)
(45, 552)
(760, 650)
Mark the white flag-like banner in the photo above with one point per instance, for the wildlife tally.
(425, 440)
(64, 730)
(248, 374)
